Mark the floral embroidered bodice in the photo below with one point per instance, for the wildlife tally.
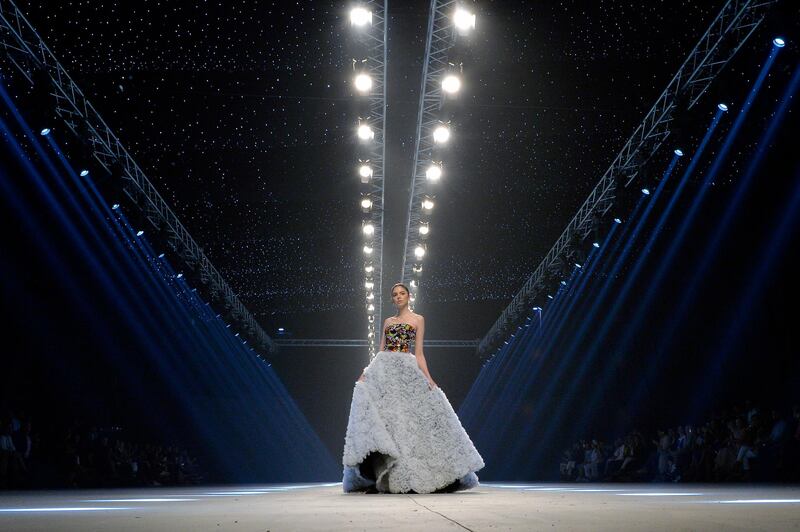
(399, 336)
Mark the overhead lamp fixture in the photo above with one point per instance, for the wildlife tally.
(368, 229)
(464, 20)
(365, 132)
(365, 171)
(366, 204)
(427, 204)
(434, 172)
(369, 268)
(441, 134)
(424, 229)
(419, 252)
(363, 82)
(360, 16)
(451, 84)
(368, 250)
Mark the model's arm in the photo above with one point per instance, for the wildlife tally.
(418, 352)
(383, 336)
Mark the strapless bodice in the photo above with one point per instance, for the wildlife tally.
(398, 336)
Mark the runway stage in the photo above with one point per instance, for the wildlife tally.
(492, 506)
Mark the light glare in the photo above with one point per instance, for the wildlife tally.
(451, 84)
(365, 132)
(363, 82)
(464, 20)
(434, 172)
(441, 134)
(360, 16)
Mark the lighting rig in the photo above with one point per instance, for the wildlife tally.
(734, 24)
(23, 48)
(368, 21)
(441, 82)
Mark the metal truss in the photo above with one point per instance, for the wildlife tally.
(312, 342)
(737, 20)
(373, 38)
(25, 49)
(441, 38)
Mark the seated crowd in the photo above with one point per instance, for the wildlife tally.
(744, 443)
(86, 457)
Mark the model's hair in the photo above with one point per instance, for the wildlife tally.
(399, 284)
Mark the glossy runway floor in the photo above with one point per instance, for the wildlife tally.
(491, 506)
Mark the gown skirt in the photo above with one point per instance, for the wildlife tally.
(402, 436)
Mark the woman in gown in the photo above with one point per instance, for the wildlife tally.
(402, 434)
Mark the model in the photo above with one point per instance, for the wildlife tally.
(402, 434)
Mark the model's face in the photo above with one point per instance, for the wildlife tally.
(399, 296)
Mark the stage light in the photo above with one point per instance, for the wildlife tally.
(84, 173)
(371, 307)
(45, 131)
(365, 171)
(451, 84)
(563, 283)
(537, 309)
(366, 204)
(464, 20)
(424, 229)
(441, 134)
(417, 268)
(419, 252)
(617, 220)
(363, 83)
(360, 16)
(427, 204)
(413, 283)
(412, 298)
(679, 153)
(369, 268)
(368, 250)
(115, 207)
(368, 229)
(371, 296)
(578, 266)
(280, 329)
(646, 191)
(779, 42)
(596, 244)
(365, 132)
(549, 296)
(369, 285)
(179, 276)
(139, 232)
(434, 172)
(722, 107)
(161, 256)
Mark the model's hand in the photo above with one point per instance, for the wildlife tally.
(361, 378)
(432, 384)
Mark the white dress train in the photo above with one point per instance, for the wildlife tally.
(411, 433)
